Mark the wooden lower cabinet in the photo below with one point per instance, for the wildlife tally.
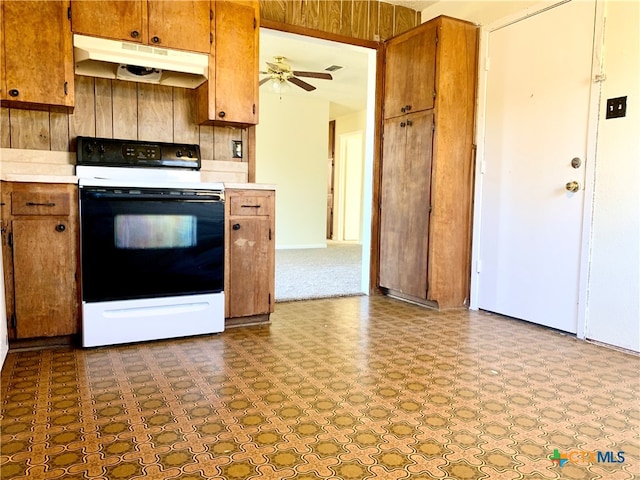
(405, 243)
(250, 255)
(40, 248)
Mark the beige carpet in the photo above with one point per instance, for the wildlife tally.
(308, 273)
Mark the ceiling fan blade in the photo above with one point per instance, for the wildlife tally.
(264, 80)
(304, 85)
(274, 67)
(321, 75)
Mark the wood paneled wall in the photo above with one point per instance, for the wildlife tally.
(364, 19)
(119, 109)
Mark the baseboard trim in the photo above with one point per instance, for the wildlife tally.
(301, 247)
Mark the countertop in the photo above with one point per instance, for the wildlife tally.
(250, 186)
(35, 178)
(25, 177)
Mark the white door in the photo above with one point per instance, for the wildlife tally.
(351, 169)
(536, 119)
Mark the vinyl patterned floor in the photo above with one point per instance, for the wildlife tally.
(346, 388)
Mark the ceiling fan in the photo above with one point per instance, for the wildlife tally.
(280, 72)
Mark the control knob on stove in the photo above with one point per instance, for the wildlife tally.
(179, 153)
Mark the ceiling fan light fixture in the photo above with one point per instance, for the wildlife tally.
(279, 85)
(281, 74)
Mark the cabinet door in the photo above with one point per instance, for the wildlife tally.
(115, 19)
(185, 25)
(236, 63)
(38, 54)
(405, 203)
(44, 266)
(250, 266)
(410, 68)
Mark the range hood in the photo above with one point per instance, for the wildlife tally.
(99, 57)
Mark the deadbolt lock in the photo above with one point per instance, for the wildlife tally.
(576, 162)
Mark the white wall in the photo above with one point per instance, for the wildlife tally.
(291, 152)
(613, 311)
(613, 290)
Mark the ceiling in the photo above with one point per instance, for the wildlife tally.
(346, 93)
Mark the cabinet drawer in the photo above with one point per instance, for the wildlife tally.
(40, 203)
(250, 205)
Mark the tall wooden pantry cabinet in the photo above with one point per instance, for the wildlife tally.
(427, 163)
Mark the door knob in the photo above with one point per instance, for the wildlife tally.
(572, 186)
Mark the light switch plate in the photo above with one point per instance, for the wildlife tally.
(236, 148)
(616, 107)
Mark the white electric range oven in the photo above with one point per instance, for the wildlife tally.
(152, 242)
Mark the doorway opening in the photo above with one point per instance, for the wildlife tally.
(315, 218)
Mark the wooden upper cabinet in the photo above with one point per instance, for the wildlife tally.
(117, 19)
(409, 84)
(230, 97)
(183, 25)
(38, 55)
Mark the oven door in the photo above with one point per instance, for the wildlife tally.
(148, 242)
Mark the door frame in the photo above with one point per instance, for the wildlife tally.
(373, 140)
(592, 130)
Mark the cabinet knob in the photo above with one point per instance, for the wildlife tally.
(60, 227)
(155, 39)
(135, 34)
(236, 226)
(14, 92)
(221, 114)
(402, 124)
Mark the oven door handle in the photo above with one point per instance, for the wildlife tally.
(154, 196)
